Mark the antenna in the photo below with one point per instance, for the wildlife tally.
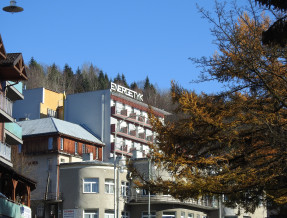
(13, 8)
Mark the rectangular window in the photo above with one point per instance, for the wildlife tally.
(97, 153)
(83, 148)
(190, 215)
(182, 215)
(91, 185)
(168, 215)
(62, 144)
(125, 214)
(109, 214)
(50, 143)
(145, 215)
(125, 188)
(109, 186)
(91, 214)
(19, 148)
(76, 147)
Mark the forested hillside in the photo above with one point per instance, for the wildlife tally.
(90, 78)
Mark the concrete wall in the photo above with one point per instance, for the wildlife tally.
(30, 106)
(52, 100)
(94, 111)
(71, 185)
(161, 208)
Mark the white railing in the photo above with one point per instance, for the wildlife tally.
(204, 202)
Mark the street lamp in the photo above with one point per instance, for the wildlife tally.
(12, 8)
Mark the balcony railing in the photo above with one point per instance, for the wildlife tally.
(121, 149)
(203, 203)
(14, 129)
(6, 105)
(15, 91)
(53, 196)
(132, 117)
(132, 135)
(5, 151)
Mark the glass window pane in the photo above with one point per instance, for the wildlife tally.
(87, 188)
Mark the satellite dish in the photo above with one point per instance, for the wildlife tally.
(13, 8)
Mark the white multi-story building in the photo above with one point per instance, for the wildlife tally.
(117, 116)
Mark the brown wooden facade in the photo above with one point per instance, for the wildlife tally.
(39, 144)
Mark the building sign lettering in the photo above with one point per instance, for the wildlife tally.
(126, 91)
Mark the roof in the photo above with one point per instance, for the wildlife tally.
(11, 59)
(52, 125)
(12, 67)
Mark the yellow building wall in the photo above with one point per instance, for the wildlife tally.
(53, 101)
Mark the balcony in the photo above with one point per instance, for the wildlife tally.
(206, 203)
(53, 197)
(13, 133)
(132, 117)
(120, 149)
(5, 151)
(15, 91)
(5, 109)
(132, 135)
(11, 209)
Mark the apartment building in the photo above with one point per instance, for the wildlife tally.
(40, 103)
(117, 116)
(15, 188)
(94, 189)
(47, 143)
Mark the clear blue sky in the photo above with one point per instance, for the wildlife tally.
(139, 38)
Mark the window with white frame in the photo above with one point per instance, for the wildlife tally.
(168, 215)
(125, 188)
(62, 144)
(109, 214)
(76, 147)
(145, 215)
(91, 214)
(97, 153)
(91, 185)
(109, 186)
(125, 214)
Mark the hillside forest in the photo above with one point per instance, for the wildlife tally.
(90, 78)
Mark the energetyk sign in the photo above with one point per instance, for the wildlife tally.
(126, 91)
